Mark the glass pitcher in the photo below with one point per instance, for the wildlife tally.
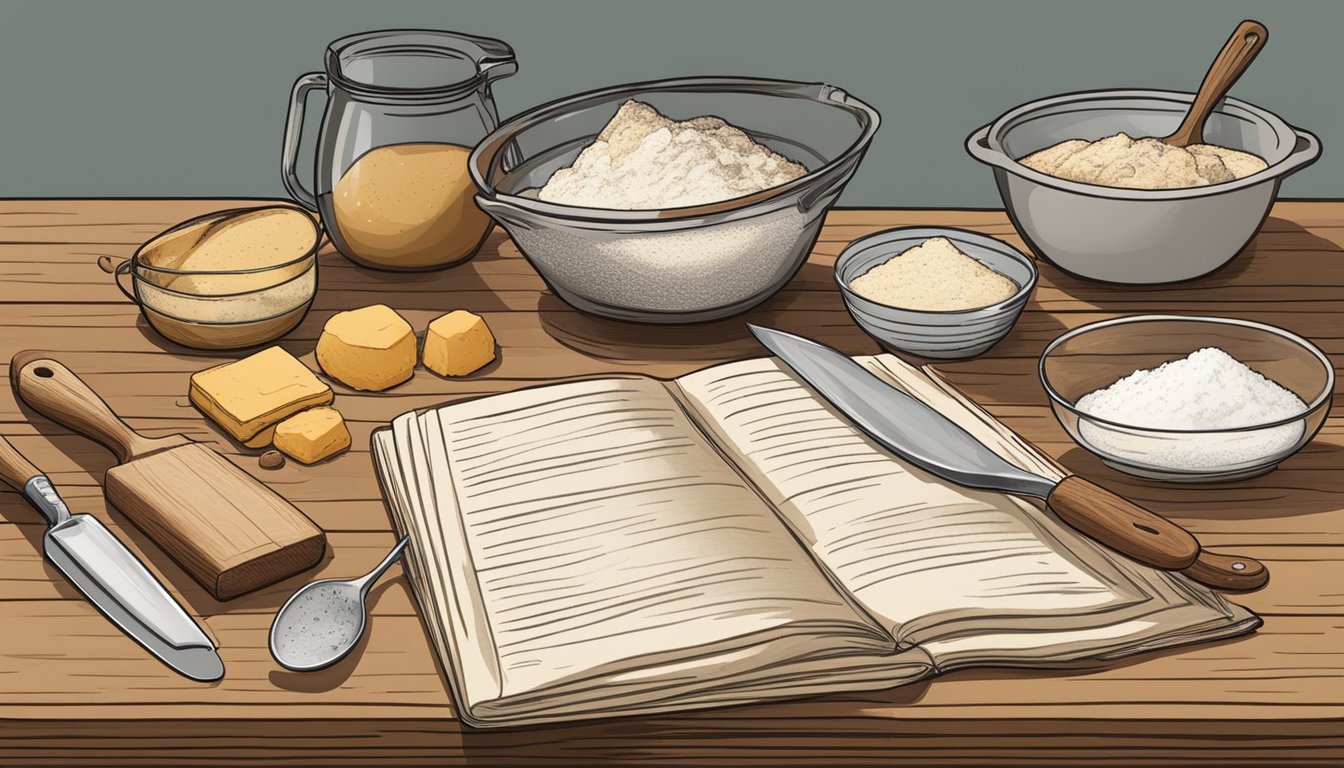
(404, 109)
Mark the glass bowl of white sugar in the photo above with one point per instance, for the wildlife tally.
(1188, 399)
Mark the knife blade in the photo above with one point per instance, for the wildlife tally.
(106, 573)
(926, 438)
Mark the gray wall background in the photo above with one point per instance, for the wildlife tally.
(123, 98)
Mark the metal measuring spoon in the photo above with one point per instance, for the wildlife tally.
(320, 623)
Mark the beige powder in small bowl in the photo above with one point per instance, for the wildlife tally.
(934, 276)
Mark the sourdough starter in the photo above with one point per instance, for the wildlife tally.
(408, 206)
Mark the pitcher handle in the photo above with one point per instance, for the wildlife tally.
(496, 61)
(298, 98)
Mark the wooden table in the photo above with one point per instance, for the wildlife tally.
(74, 690)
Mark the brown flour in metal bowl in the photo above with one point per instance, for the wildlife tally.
(1120, 161)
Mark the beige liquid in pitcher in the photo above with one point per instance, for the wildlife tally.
(409, 206)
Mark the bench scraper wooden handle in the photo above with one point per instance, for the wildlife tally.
(56, 392)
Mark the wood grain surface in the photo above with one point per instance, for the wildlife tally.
(74, 690)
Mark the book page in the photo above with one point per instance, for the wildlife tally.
(925, 556)
(607, 536)
(435, 561)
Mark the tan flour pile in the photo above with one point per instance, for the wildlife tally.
(933, 276)
(644, 161)
(1120, 161)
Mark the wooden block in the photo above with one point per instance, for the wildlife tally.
(226, 529)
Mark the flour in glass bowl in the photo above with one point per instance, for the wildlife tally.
(1206, 390)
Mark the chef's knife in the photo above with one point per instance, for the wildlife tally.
(928, 439)
(111, 578)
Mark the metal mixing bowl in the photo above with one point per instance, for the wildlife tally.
(945, 335)
(683, 264)
(1137, 236)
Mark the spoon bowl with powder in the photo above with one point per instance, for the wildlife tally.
(324, 620)
(1188, 399)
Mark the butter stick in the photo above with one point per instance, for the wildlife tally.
(247, 396)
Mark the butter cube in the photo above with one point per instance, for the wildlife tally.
(371, 348)
(312, 435)
(458, 343)
(247, 396)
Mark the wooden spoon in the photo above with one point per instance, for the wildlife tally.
(1240, 50)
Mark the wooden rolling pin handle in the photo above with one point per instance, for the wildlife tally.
(15, 470)
(1123, 525)
(1240, 50)
(54, 391)
(1230, 573)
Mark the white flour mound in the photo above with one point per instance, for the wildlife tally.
(644, 161)
(1206, 390)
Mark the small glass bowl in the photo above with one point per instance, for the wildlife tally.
(219, 309)
(1097, 355)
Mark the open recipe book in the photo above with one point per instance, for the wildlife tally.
(624, 545)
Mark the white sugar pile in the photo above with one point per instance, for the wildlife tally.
(644, 161)
(1206, 390)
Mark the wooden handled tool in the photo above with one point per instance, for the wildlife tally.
(1127, 527)
(1237, 54)
(1122, 525)
(229, 531)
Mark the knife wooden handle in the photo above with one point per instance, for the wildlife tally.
(1230, 573)
(54, 391)
(15, 470)
(1130, 529)
(1123, 525)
